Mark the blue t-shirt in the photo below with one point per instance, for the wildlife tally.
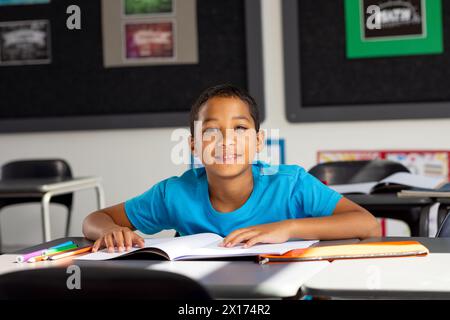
(182, 203)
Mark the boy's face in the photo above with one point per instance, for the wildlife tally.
(225, 138)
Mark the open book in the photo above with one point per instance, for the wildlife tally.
(391, 184)
(198, 246)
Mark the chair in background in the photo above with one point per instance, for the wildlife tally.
(444, 230)
(345, 172)
(111, 283)
(38, 169)
(443, 219)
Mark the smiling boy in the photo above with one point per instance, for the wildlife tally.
(244, 201)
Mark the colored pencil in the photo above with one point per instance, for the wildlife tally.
(60, 249)
(71, 253)
(27, 256)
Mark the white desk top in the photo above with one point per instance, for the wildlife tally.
(245, 279)
(414, 277)
(223, 279)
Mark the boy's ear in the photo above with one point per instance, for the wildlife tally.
(192, 145)
(260, 137)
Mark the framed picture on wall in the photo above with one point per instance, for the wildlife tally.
(148, 7)
(336, 69)
(25, 42)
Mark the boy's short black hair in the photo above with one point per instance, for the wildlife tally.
(229, 91)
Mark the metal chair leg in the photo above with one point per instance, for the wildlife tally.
(69, 220)
(45, 209)
(100, 196)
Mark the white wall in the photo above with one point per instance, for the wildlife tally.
(130, 161)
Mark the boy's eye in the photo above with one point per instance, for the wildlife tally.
(210, 131)
(240, 129)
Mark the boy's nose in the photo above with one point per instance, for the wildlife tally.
(228, 139)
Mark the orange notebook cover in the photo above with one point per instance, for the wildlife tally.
(350, 251)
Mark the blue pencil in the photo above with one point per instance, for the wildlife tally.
(62, 245)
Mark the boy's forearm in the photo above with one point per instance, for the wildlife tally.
(346, 225)
(95, 225)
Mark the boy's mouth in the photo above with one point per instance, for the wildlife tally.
(228, 158)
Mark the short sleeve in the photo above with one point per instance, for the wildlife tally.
(148, 212)
(313, 198)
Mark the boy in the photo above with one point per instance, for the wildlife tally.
(245, 202)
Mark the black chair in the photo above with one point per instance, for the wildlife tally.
(102, 283)
(443, 219)
(343, 172)
(38, 169)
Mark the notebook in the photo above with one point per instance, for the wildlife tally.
(393, 183)
(442, 192)
(194, 247)
(350, 251)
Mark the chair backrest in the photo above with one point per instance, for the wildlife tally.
(43, 168)
(37, 169)
(342, 172)
(99, 283)
(444, 229)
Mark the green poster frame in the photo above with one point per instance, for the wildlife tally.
(430, 42)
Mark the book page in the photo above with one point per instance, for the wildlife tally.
(364, 188)
(214, 250)
(105, 255)
(413, 180)
(173, 247)
(185, 245)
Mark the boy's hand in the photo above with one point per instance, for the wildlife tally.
(121, 237)
(277, 232)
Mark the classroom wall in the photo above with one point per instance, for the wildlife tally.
(130, 161)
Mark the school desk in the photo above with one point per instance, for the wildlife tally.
(388, 204)
(222, 279)
(240, 279)
(385, 278)
(45, 189)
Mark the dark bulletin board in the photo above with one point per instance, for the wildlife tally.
(75, 91)
(323, 85)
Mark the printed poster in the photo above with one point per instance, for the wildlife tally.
(145, 7)
(25, 42)
(149, 40)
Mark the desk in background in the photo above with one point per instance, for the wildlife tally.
(391, 206)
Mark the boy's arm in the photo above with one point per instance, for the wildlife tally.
(110, 228)
(348, 220)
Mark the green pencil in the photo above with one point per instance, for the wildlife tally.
(60, 249)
